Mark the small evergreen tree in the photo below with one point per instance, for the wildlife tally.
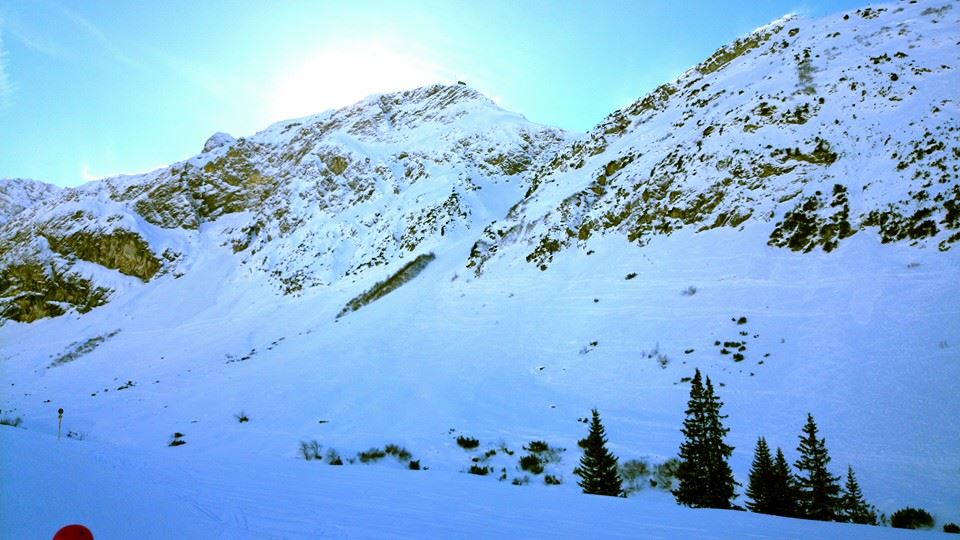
(819, 490)
(598, 467)
(782, 498)
(704, 477)
(760, 488)
(852, 506)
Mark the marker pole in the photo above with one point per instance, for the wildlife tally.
(59, 422)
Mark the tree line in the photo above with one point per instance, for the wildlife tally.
(705, 480)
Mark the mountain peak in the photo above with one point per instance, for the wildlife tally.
(431, 104)
(217, 140)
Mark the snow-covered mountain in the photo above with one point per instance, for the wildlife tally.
(306, 202)
(424, 265)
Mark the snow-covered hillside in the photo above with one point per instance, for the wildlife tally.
(424, 265)
(17, 194)
(815, 129)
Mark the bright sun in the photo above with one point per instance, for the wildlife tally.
(340, 76)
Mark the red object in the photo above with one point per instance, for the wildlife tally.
(73, 532)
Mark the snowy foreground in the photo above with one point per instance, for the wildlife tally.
(164, 494)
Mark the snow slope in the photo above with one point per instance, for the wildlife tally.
(223, 276)
(156, 495)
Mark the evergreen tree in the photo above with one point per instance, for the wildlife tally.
(782, 498)
(819, 490)
(598, 467)
(704, 477)
(852, 506)
(691, 477)
(760, 488)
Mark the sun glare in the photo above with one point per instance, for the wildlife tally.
(343, 75)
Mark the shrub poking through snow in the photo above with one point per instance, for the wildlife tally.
(531, 463)
(11, 421)
(478, 470)
(536, 447)
(398, 452)
(663, 360)
(467, 443)
(664, 474)
(951, 528)
(333, 458)
(177, 439)
(911, 518)
(242, 417)
(414, 465)
(373, 454)
(551, 480)
(634, 473)
(310, 450)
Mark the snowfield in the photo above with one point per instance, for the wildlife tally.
(158, 495)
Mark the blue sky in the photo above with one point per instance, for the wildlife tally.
(95, 88)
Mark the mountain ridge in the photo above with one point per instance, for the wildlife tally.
(644, 184)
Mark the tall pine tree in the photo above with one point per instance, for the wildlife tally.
(760, 488)
(704, 477)
(691, 475)
(818, 489)
(782, 499)
(853, 508)
(598, 467)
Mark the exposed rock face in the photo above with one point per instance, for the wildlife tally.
(120, 250)
(31, 291)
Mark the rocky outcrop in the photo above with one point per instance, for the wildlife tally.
(218, 140)
(119, 250)
(31, 291)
